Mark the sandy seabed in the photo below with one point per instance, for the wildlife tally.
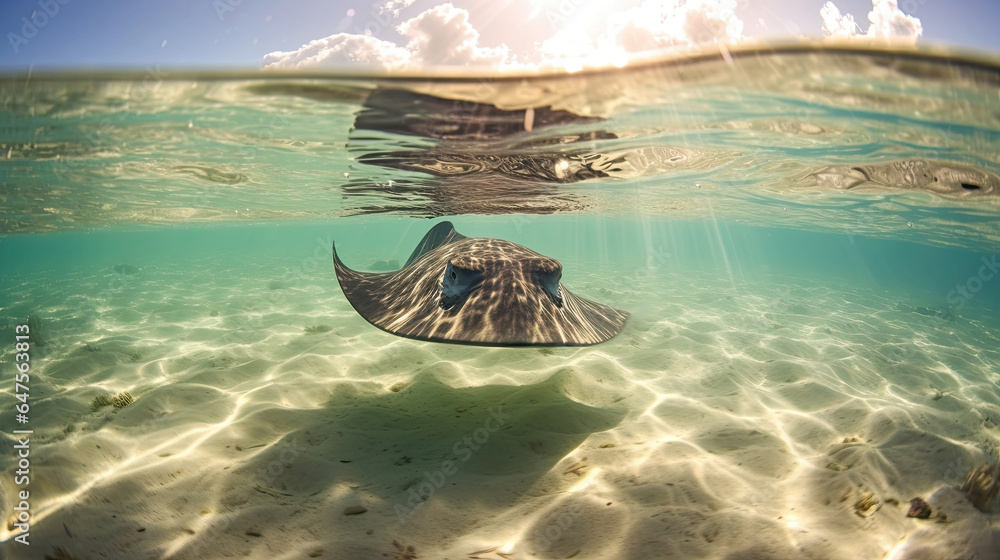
(730, 419)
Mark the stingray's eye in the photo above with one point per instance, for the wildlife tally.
(549, 281)
(457, 284)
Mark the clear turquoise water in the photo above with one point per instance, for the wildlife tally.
(172, 239)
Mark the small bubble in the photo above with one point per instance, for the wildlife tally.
(350, 12)
(347, 175)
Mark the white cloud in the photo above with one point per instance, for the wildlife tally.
(886, 21)
(444, 36)
(836, 25)
(440, 36)
(342, 49)
(393, 6)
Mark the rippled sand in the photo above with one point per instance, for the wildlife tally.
(731, 419)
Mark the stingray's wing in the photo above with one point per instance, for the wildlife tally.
(441, 234)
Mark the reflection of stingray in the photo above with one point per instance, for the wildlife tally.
(552, 168)
(414, 114)
(477, 291)
(945, 178)
(495, 160)
(489, 194)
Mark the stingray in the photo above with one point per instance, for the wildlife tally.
(944, 178)
(474, 290)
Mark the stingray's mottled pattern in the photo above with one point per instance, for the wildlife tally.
(478, 291)
(946, 178)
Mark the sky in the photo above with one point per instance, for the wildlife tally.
(393, 34)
